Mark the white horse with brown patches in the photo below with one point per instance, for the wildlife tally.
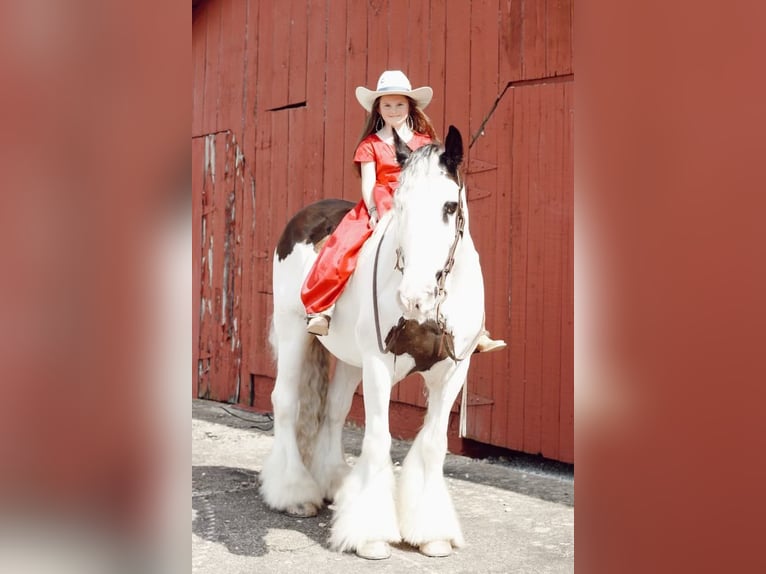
(414, 304)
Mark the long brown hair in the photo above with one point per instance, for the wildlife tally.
(421, 124)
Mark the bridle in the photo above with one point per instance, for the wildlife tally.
(441, 281)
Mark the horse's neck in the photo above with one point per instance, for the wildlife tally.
(466, 258)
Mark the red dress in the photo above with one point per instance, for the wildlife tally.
(337, 259)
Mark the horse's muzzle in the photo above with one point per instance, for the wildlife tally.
(417, 304)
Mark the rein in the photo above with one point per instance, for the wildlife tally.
(383, 349)
(446, 341)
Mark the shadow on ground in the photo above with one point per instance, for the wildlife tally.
(230, 511)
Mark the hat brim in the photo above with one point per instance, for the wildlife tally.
(366, 98)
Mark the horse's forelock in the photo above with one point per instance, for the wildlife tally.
(420, 164)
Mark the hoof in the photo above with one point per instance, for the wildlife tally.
(303, 510)
(436, 548)
(376, 550)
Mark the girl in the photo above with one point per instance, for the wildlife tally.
(394, 105)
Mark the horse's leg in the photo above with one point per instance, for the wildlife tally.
(426, 515)
(365, 513)
(328, 465)
(286, 484)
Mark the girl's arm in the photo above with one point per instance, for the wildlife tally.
(368, 183)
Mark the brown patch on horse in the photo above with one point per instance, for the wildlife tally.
(312, 224)
(426, 343)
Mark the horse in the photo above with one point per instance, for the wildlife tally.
(415, 304)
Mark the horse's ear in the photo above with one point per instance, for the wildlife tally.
(452, 156)
(402, 149)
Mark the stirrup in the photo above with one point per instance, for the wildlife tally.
(318, 324)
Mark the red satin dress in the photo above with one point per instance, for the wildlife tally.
(337, 259)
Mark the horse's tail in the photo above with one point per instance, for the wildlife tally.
(315, 378)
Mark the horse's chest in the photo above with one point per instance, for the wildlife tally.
(426, 343)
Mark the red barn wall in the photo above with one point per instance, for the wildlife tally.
(274, 127)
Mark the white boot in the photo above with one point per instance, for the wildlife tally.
(487, 344)
(319, 323)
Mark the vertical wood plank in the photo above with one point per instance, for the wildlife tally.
(236, 330)
(250, 103)
(263, 145)
(279, 119)
(199, 41)
(207, 226)
(552, 169)
(224, 326)
(377, 39)
(232, 65)
(335, 97)
(315, 102)
(296, 136)
(275, 156)
(457, 62)
(398, 29)
(509, 43)
(198, 160)
(483, 70)
(212, 69)
(535, 270)
(558, 37)
(566, 425)
(500, 259)
(518, 273)
(213, 295)
(416, 44)
(279, 77)
(356, 70)
(296, 166)
(437, 53)
(250, 318)
(298, 26)
(533, 40)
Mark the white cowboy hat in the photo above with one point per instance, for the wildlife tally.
(394, 83)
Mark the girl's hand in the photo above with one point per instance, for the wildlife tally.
(373, 217)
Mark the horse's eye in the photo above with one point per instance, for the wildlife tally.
(449, 209)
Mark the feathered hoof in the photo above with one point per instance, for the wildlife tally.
(375, 550)
(436, 548)
(303, 510)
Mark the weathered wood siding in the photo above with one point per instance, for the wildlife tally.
(273, 103)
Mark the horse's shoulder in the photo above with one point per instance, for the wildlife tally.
(312, 223)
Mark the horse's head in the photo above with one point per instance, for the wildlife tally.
(431, 210)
